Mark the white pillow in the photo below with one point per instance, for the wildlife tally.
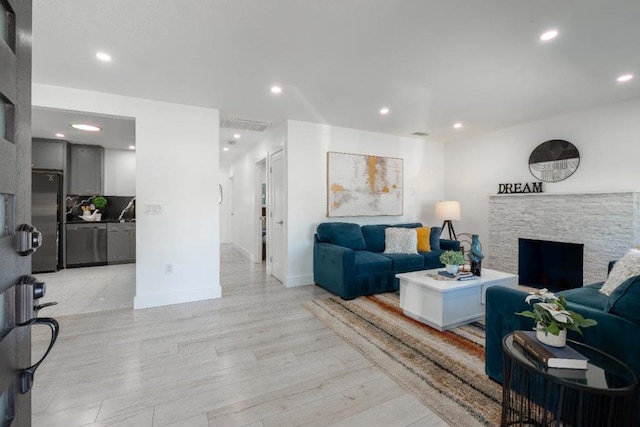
(400, 241)
(627, 266)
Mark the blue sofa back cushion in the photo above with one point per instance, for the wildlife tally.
(625, 300)
(345, 234)
(374, 235)
(434, 238)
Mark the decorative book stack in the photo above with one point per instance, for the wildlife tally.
(552, 357)
(460, 276)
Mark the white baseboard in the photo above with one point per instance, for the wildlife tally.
(245, 252)
(169, 298)
(302, 280)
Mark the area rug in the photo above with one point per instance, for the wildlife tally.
(445, 370)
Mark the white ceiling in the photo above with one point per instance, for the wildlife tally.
(432, 62)
(117, 133)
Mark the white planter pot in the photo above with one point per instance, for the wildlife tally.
(548, 338)
(452, 268)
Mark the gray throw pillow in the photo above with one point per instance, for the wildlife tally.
(628, 266)
(400, 241)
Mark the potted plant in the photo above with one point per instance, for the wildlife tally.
(99, 202)
(553, 319)
(452, 261)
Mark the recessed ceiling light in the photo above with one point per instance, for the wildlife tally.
(549, 35)
(225, 149)
(457, 125)
(625, 78)
(132, 147)
(236, 135)
(384, 110)
(60, 135)
(86, 127)
(102, 56)
(276, 89)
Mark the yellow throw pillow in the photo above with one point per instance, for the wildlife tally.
(424, 234)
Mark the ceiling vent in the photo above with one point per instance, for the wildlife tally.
(242, 124)
(231, 142)
(421, 134)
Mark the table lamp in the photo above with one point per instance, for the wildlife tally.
(448, 211)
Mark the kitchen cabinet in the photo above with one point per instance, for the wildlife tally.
(121, 242)
(86, 244)
(47, 154)
(86, 170)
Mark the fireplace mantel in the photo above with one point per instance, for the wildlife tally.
(607, 224)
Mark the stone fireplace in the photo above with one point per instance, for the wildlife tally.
(606, 224)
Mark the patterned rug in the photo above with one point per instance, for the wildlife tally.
(445, 370)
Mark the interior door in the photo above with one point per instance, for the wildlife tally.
(15, 202)
(277, 215)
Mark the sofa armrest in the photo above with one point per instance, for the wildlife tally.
(449, 245)
(334, 268)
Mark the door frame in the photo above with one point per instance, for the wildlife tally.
(261, 169)
(271, 202)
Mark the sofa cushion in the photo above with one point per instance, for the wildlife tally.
(434, 238)
(400, 241)
(628, 266)
(432, 259)
(370, 263)
(588, 295)
(374, 237)
(423, 239)
(405, 262)
(625, 300)
(344, 234)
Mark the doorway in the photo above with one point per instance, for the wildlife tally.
(261, 204)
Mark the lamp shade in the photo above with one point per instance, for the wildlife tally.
(448, 211)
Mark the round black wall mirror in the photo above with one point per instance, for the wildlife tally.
(554, 160)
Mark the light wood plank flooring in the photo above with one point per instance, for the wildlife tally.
(255, 357)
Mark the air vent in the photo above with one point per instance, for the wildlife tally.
(231, 142)
(242, 124)
(420, 134)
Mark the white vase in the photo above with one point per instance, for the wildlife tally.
(452, 268)
(548, 338)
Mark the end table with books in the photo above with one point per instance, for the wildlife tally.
(603, 394)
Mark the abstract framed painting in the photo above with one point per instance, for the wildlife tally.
(362, 185)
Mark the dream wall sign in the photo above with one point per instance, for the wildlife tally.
(361, 185)
(554, 160)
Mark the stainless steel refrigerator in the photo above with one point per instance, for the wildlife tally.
(46, 217)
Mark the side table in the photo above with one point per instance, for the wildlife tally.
(605, 394)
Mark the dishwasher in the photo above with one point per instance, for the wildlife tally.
(86, 244)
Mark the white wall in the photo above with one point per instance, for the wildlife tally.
(307, 148)
(119, 172)
(607, 138)
(244, 220)
(176, 153)
(223, 179)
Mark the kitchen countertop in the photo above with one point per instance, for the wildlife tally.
(112, 221)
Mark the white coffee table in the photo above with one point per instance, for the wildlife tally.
(445, 304)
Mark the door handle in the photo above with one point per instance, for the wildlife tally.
(280, 222)
(27, 375)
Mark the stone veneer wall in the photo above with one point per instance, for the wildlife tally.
(607, 224)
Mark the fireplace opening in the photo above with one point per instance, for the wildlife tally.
(556, 266)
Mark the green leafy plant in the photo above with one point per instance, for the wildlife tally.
(452, 258)
(551, 314)
(99, 202)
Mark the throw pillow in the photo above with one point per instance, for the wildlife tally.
(625, 300)
(434, 239)
(400, 241)
(628, 266)
(423, 234)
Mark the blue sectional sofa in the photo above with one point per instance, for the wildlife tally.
(617, 332)
(348, 258)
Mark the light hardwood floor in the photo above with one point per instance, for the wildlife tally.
(255, 357)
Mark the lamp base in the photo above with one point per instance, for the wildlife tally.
(449, 225)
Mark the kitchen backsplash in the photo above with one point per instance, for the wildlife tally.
(118, 207)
